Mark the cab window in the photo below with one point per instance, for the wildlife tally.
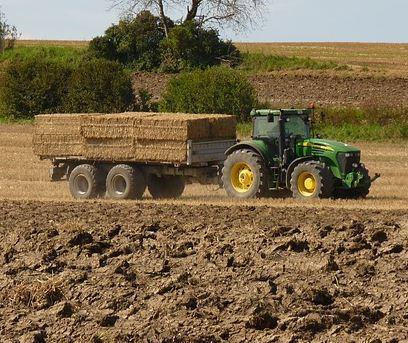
(297, 126)
(264, 129)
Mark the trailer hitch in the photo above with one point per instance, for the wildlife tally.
(376, 176)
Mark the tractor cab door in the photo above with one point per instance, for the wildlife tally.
(266, 128)
(294, 128)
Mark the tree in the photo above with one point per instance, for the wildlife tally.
(133, 42)
(8, 34)
(235, 13)
(189, 46)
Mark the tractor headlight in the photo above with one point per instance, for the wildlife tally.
(348, 161)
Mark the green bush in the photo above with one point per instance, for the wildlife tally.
(214, 90)
(99, 86)
(134, 43)
(190, 46)
(33, 86)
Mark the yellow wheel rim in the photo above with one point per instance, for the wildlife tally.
(306, 184)
(242, 177)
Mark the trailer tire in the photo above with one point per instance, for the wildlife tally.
(125, 182)
(166, 187)
(84, 182)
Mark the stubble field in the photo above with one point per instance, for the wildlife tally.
(24, 177)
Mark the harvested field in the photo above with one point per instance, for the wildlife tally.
(133, 272)
(23, 176)
(385, 58)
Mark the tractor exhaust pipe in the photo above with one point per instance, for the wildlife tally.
(376, 176)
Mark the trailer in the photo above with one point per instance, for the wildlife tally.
(119, 156)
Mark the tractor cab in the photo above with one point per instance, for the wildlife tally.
(282, 154)
(281, 130)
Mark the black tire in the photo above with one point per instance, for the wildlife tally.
(166, 187)
(311, 180)
(125, 182)
(84, 182)
(250, 181)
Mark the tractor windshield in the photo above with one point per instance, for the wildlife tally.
(297, 126)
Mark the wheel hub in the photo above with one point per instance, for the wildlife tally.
(242, 177)
(82, 184)
(310, 184)
(246, 177)
(119, 184)
(306, 184)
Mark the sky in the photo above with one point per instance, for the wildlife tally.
(284, 21)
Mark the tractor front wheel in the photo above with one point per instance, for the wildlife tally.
(244, 175)
(311, 180)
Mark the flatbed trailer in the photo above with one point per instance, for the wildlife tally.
(124, 179)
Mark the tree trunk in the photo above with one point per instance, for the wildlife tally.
(163, 17)
(192, 12)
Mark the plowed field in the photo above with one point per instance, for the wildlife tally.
(203, 268)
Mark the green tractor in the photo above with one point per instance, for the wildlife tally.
(283, 155)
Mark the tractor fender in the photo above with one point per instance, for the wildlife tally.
(293, 165)
(246, 145)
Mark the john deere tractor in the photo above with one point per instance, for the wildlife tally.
(282, 155)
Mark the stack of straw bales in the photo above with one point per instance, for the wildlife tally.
(127, 136)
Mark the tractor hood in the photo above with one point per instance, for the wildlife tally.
(328, 145)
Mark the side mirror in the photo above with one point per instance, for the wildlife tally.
(271, 118)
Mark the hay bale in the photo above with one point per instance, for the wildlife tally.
(163, 150)
(108, 149)
(137, 137)
(49, 145)
(58, 135)
(108, 126)
(223, 127)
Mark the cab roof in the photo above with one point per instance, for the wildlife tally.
(291, 111)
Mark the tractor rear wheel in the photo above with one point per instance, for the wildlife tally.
(166, 187)
(244, 175)
(125, 182)
(84, 182)
(311, 180)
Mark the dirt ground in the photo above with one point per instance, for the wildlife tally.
(134, 272)
(204, 268)
(300, 88)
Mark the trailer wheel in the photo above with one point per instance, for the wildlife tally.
(311, 180)
(84, 182)
(166, 187)
(125, 182)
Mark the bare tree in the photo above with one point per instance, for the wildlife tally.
(8, 34)
(236, 13)
(134, 6)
